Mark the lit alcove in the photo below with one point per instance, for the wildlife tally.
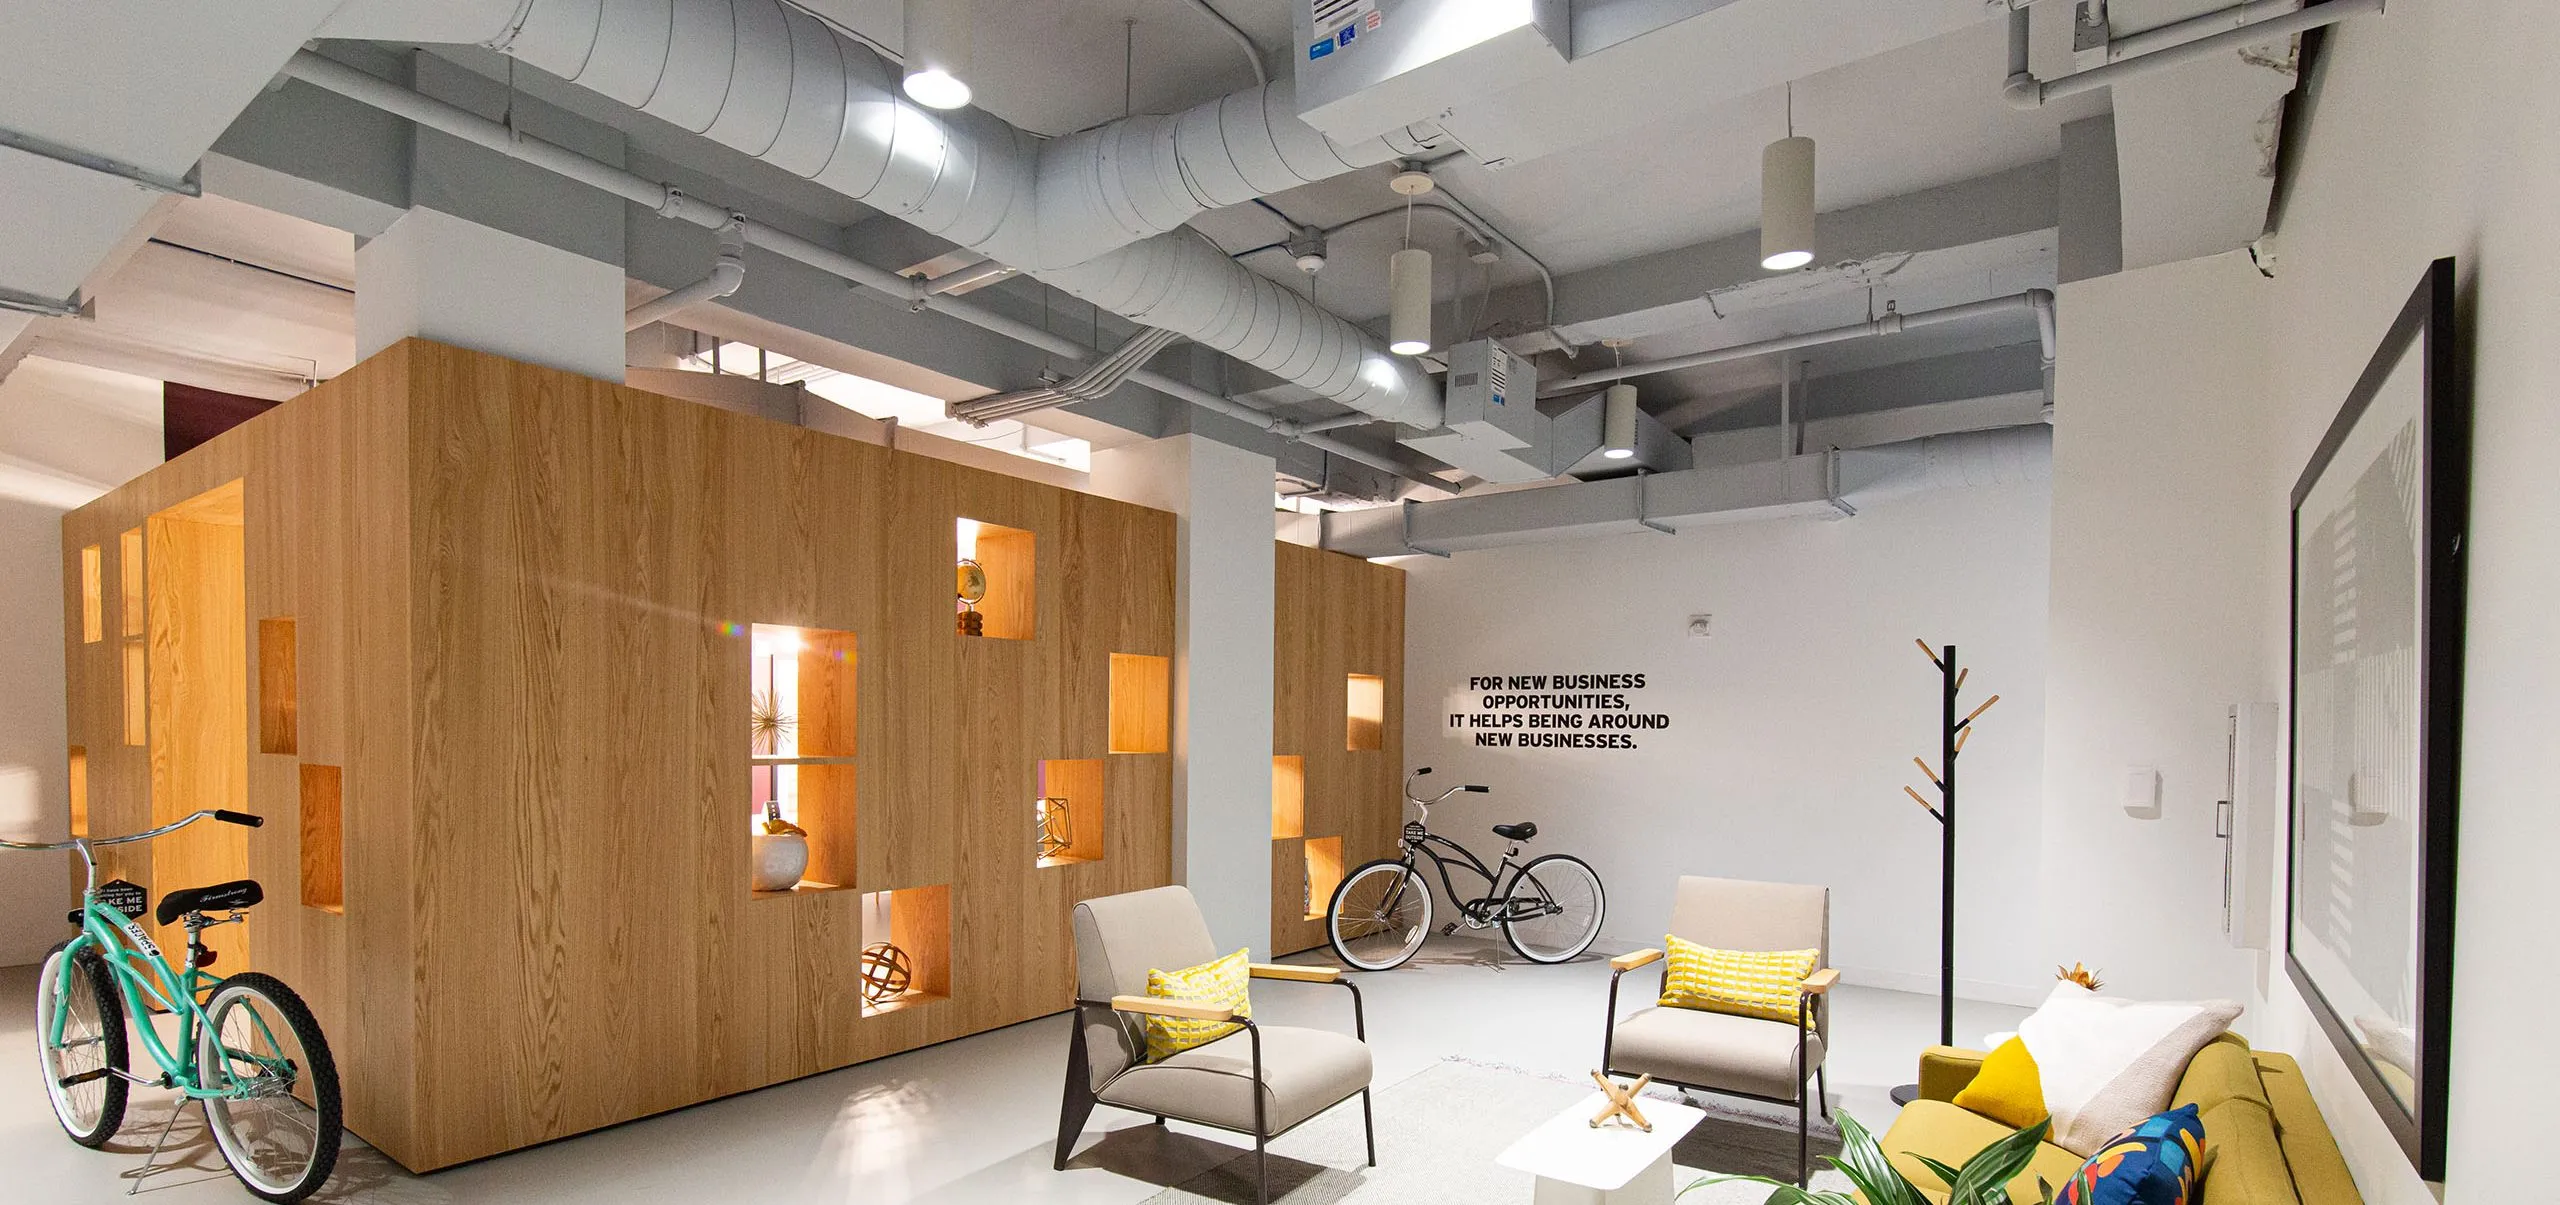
(1288, 797)
(1067, 816)
(1365, 712)
(1324, 873)
(800, 735)
(1004, 561)
(1141, 703)
(324, 859)
(915, 967)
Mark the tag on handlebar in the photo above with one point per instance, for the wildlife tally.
(126, 897)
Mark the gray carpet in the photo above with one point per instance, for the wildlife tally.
(1438, 1134)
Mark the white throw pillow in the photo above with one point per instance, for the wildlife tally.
(2108, 1064)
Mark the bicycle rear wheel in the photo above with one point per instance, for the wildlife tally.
(1379, 916)
(1554, 911)
(280, 1134)
(81, 1074)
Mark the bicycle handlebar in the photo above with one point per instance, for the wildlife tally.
(228, 817)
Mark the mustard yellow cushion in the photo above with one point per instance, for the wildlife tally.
(2007, 1089)
(1743, 982)
(1220, 982)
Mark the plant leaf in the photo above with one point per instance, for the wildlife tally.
(1863, 1161)
(1995, 1166)
(1946, 1175)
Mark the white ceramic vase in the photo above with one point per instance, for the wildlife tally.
(779, 860)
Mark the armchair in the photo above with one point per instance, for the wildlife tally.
(1719, 1052)
(1263, 1080)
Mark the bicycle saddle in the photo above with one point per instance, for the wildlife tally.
(238, 893)
(1524, 831)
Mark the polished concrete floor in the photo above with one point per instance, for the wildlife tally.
(965, 1122)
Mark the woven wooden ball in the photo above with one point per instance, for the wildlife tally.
(886, 972)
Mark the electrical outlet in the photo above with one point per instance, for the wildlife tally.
(1702, 626)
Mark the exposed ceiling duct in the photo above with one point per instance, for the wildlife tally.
(1830, 484)
(1096, 214)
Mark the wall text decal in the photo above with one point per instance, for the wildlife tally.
(1556, 711)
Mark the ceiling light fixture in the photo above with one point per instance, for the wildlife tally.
(1618, 410)
(937, 53)
(1409, 276)
(1786, 198)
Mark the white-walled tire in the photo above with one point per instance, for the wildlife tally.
(1569, 901)
(92, 1054)
(1378, 916)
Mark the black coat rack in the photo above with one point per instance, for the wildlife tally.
(1953, 733)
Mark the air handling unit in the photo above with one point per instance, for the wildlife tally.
(1365, 67)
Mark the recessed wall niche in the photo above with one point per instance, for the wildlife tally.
(1004, 558)
(916, 924)
(1288, 797)
(1067, 816)
(1324, 873)
(800, 737)
(1365, 712)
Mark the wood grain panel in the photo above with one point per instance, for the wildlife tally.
(278, 731)
(1335, 617)
(324, 866)
(1141, 703)
(198, 654)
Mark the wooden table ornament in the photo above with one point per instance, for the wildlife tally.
(1622, 1101)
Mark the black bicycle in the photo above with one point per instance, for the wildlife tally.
(1549, 908)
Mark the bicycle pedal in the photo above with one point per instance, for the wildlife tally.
(1449, 929)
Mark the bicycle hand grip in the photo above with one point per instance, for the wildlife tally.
(243, 819)
(1481, 790)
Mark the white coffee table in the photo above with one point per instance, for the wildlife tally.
(1616, 1164)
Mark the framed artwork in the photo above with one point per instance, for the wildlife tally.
(2376, 689)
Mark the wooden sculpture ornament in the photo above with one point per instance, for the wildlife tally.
(1622, 1101)
(971, 586)
(886, 973)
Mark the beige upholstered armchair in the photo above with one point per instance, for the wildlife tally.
(1263, 1080)
(1720, 1052)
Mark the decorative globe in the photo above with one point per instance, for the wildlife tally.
(886, 973)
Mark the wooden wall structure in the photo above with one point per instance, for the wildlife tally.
(492, 644)
(1337, 730)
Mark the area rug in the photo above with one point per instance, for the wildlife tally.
(1438, 1134)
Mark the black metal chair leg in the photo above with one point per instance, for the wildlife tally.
(1368, 1127)
(1261, 1170)
(1804, 1161)
(1822, 1089)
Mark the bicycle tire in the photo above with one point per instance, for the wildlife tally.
(319, 1070)
(1552, 954)
(1362, 958)
(89, 975)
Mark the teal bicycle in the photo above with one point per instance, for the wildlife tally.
(247, 1049)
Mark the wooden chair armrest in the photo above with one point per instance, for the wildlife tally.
(1820, 981)
(1630, 961)
(1298, 974)
(1184, 1009)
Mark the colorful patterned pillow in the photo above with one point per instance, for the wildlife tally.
(2155, 1163)
(1220, 982)
(1742, 982)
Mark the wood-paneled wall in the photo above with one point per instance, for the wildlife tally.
(522, 601)
(1335, 616)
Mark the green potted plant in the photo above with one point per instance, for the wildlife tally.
(1983, 1180)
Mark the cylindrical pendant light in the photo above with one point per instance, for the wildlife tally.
(937, 53)
(1618, 422)
(1786, 198)
(1409, 302)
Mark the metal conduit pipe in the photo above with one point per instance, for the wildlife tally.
(2037, 302)
(669, 202)
(727, 273)
(2025, 91)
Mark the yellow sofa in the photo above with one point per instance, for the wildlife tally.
(2264, 1141)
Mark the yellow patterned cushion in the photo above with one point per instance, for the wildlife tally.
(1221, 982)
(1745, 983)
(2008, 1089)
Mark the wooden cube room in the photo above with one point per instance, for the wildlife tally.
(488, 628)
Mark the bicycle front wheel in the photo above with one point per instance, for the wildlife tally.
(280, 1124)
(1554, 911)
(1379, 916)
(81, 1072)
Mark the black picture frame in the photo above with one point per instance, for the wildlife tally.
(2423, 335)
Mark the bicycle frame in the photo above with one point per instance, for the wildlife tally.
(145, 981)
(1421, 843)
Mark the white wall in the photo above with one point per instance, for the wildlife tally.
(1223, 584)
(67, 434)
(1794, 724)
(2160, 566)
(2430, 133)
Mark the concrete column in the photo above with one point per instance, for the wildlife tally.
(1222, 668)
(436, 276)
